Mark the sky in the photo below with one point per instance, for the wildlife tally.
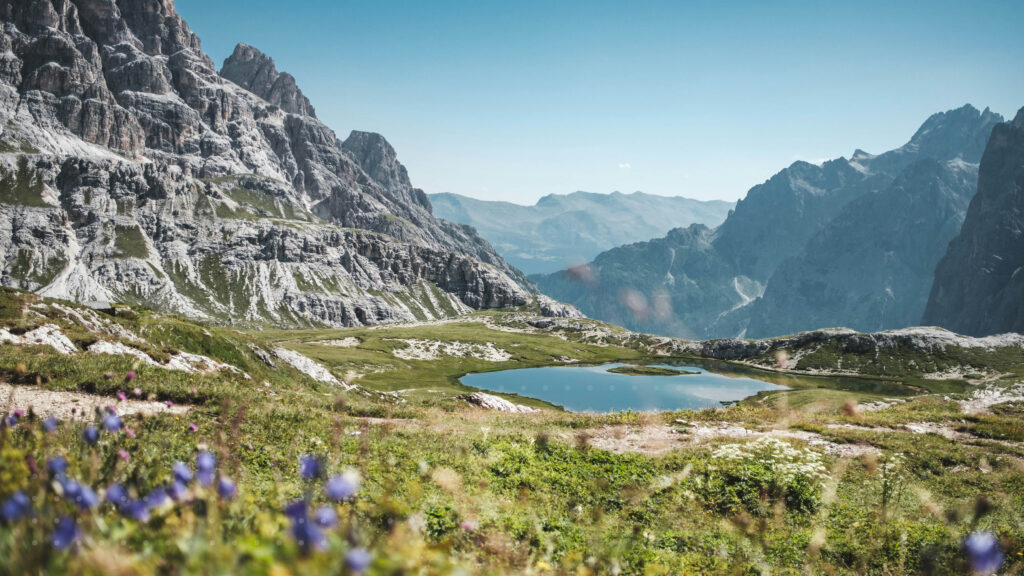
(516, 100)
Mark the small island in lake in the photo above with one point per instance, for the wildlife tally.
(649, 371)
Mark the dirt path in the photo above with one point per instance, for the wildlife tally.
(77, 406)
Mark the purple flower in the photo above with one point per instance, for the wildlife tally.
(226, 488)
(15, 507)
(182, 472)
(308, 536)
(112, 422)
(177, 490)
(117, 495)
(72, 489)
(325, 517)
(156, 498)
(296, 510)
(51, 423)
(12, 420)
(90, 435)
(136, 510)
(983, 552)
(206, 465)
(57, 465)
(87, 498)
(310, 467)
(121, 396)
(130, 375)
(357, 560)
(343, 487)
(65, 533)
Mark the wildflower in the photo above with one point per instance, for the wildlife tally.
(192, 426)
(65, 533)
(130, 375)
(983, 552)
(137, 391)
(169, 403)
(469, 526)
(129, 432)
(310, 467)
(123, 454)
(206, 465)
(182, 472)
(57, 465)
(15, 507)
(295, 510)
(51, 423)
(357, 560)
(112, 422)
(117, 495)
(12, 420)
(226, 488)
(136, 510)
(177, 490)
(156, 498)
(121, 396)
(325, 517)
(343, 487)
(90, 435)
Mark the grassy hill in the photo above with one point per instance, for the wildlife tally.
(838, 475)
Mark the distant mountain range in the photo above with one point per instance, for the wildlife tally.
(852, 242)
(564, 229)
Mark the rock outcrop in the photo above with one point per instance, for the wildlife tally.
(979, 284)
(131, 170)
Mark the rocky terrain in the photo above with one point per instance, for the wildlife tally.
(802, 250)
(564, 229)
(979, 287)
(132, 171)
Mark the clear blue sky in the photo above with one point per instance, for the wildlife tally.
(516, 100)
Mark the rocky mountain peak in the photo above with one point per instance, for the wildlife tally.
(256, 72)
(962, 132)
(377, 158)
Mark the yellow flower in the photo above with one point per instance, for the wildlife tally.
(279, 570)
(542, 565)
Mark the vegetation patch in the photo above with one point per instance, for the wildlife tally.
(633, 370)
(130, 242)
(23, 187)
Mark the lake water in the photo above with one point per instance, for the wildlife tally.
(594, 389)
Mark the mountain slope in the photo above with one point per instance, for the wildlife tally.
(700, 284)
(979, 287)
(871, 267)
(134, 172)
(560, 230)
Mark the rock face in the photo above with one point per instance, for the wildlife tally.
(131, 170)
(979, 284)
(561, 230)
(871, 267)
(702, 283)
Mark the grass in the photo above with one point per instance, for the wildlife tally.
(24, 187)
(649, 371)
(448, 487)
(130, 242)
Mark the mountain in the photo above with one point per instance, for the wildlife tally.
(871, 267)
(562, 229)
(703, 283)
(132, 171)
(979, 287)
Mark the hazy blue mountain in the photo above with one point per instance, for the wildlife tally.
(871, 267)
(564, 229)
(705, 283)
(979, 284)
